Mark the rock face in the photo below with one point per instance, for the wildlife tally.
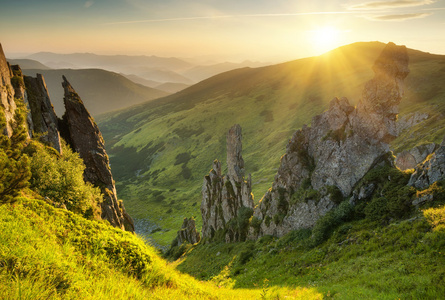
(410, 120)
(430, 171)
(323, 163)
(44, 119)
(409, 159)
(20, 93)
(86, 139)
(6, 93)
(188, 232)
(227, 200)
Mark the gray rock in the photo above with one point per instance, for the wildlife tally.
(188, 232)
(430, 171)
(6, 93)
(224, 198)
(410, 120)
(423, 199)
(86, 139)
(340, 147)
(44, 119)
(409, 159)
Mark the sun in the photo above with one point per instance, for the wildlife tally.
(324, 37)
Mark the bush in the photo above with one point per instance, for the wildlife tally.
(326, 224)
(14, 164)
(60, 178)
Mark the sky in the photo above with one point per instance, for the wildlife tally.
(232, 30)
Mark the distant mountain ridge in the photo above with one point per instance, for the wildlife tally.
(102, 90)
(28, 64)
(173, 139)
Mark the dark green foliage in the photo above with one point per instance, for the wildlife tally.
(294, 237)
(267, 220)
(240, 224)
(393, 197)
(60, 178)
(298, 145)
(255, 223)
(336, 195)
(278, 218)
(14, 164)
(326, 224)
(305, 194)
(268, 115)
(182, 158)
(338, 135)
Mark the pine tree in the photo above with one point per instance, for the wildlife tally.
(14, 164)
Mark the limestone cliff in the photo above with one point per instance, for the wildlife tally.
(44, 119)
(324, 162)
(86, 139)
(6, 93)
(227, 200)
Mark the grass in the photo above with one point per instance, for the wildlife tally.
(49, 253)
(361, 260)
(146, 142)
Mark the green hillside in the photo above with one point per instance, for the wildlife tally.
(161, 150)
(55, 246)
(102, 90)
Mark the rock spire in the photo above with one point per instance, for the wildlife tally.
(86, 139)
(227, 200)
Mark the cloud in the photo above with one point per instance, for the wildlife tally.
(231, 16)
(391, 4)
(88, 4)
(401, 17)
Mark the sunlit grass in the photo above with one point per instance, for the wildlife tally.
(49, 253)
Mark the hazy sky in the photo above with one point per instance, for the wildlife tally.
(266, 30)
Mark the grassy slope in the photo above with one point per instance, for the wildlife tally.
(361, 260)
(49, 253)
(161, 150)
(101, 91)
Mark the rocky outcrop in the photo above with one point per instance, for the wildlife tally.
(430, 171)
(86, 139)
(409, 159)
(410, 120)
(44, 119)
(227, 200)
(20, 93)
(323, 163)
(6, 93)
(188, 232)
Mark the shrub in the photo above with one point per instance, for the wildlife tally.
(326, 224)
(14, 164)
(60, 178)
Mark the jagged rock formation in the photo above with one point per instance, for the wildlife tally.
(430, 171)
(411, 120)
(323, 163)
(44, 119)
(86, 139)
(227, 200)
(188, 232)
(18, 83)
(409, 159)
(6, 93)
